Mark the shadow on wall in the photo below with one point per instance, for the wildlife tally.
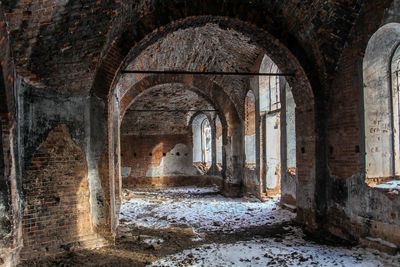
(57, 211)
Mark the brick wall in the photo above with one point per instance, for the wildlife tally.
(138, 152)
(57, 210)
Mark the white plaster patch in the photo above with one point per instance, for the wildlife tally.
(177, 162)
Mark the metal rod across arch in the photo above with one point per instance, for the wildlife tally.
(172, 110)
(174, 72)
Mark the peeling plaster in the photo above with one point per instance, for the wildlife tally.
(173, 164)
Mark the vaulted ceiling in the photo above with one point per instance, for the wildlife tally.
(63, 44)
(176, 103)
(207, 48)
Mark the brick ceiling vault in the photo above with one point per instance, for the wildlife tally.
(77, 46)
(207, 48)
(175, 101)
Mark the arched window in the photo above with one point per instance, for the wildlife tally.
(278, 134)
(381, 105)
(206, 142)
(250, 130)
(202, 146)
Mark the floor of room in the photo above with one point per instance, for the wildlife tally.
(194, 226)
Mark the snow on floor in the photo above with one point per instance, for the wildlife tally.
(292, 250)
(392, 186)
(201, 208)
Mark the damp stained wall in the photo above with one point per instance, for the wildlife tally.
(5, 225)
(378, 103)
(288, 146)
(41, 112)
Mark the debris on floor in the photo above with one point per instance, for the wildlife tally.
(200, 208)
(199, 227)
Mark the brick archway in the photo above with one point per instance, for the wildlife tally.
(204, 87)
(306, 128)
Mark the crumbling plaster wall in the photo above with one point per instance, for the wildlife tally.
(355, 210)
(11, 237)
(40, 112)
(332, 25)
(5, 222)
(288, 145)
(381, 155)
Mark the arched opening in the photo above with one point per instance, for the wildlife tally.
(381, 107)
(163, 144)
(202, 139)
(86, 124)
(233, 141)
(206, 142)
(278, 135)
(227, 96)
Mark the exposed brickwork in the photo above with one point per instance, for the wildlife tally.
(163, 109)
(77, 47)
(172, 181)
(301, 88)
(138, 152)
(62, 42)
(57, 210)
(355, 210)
(250, 116)
(329, 21)
(344, 127)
